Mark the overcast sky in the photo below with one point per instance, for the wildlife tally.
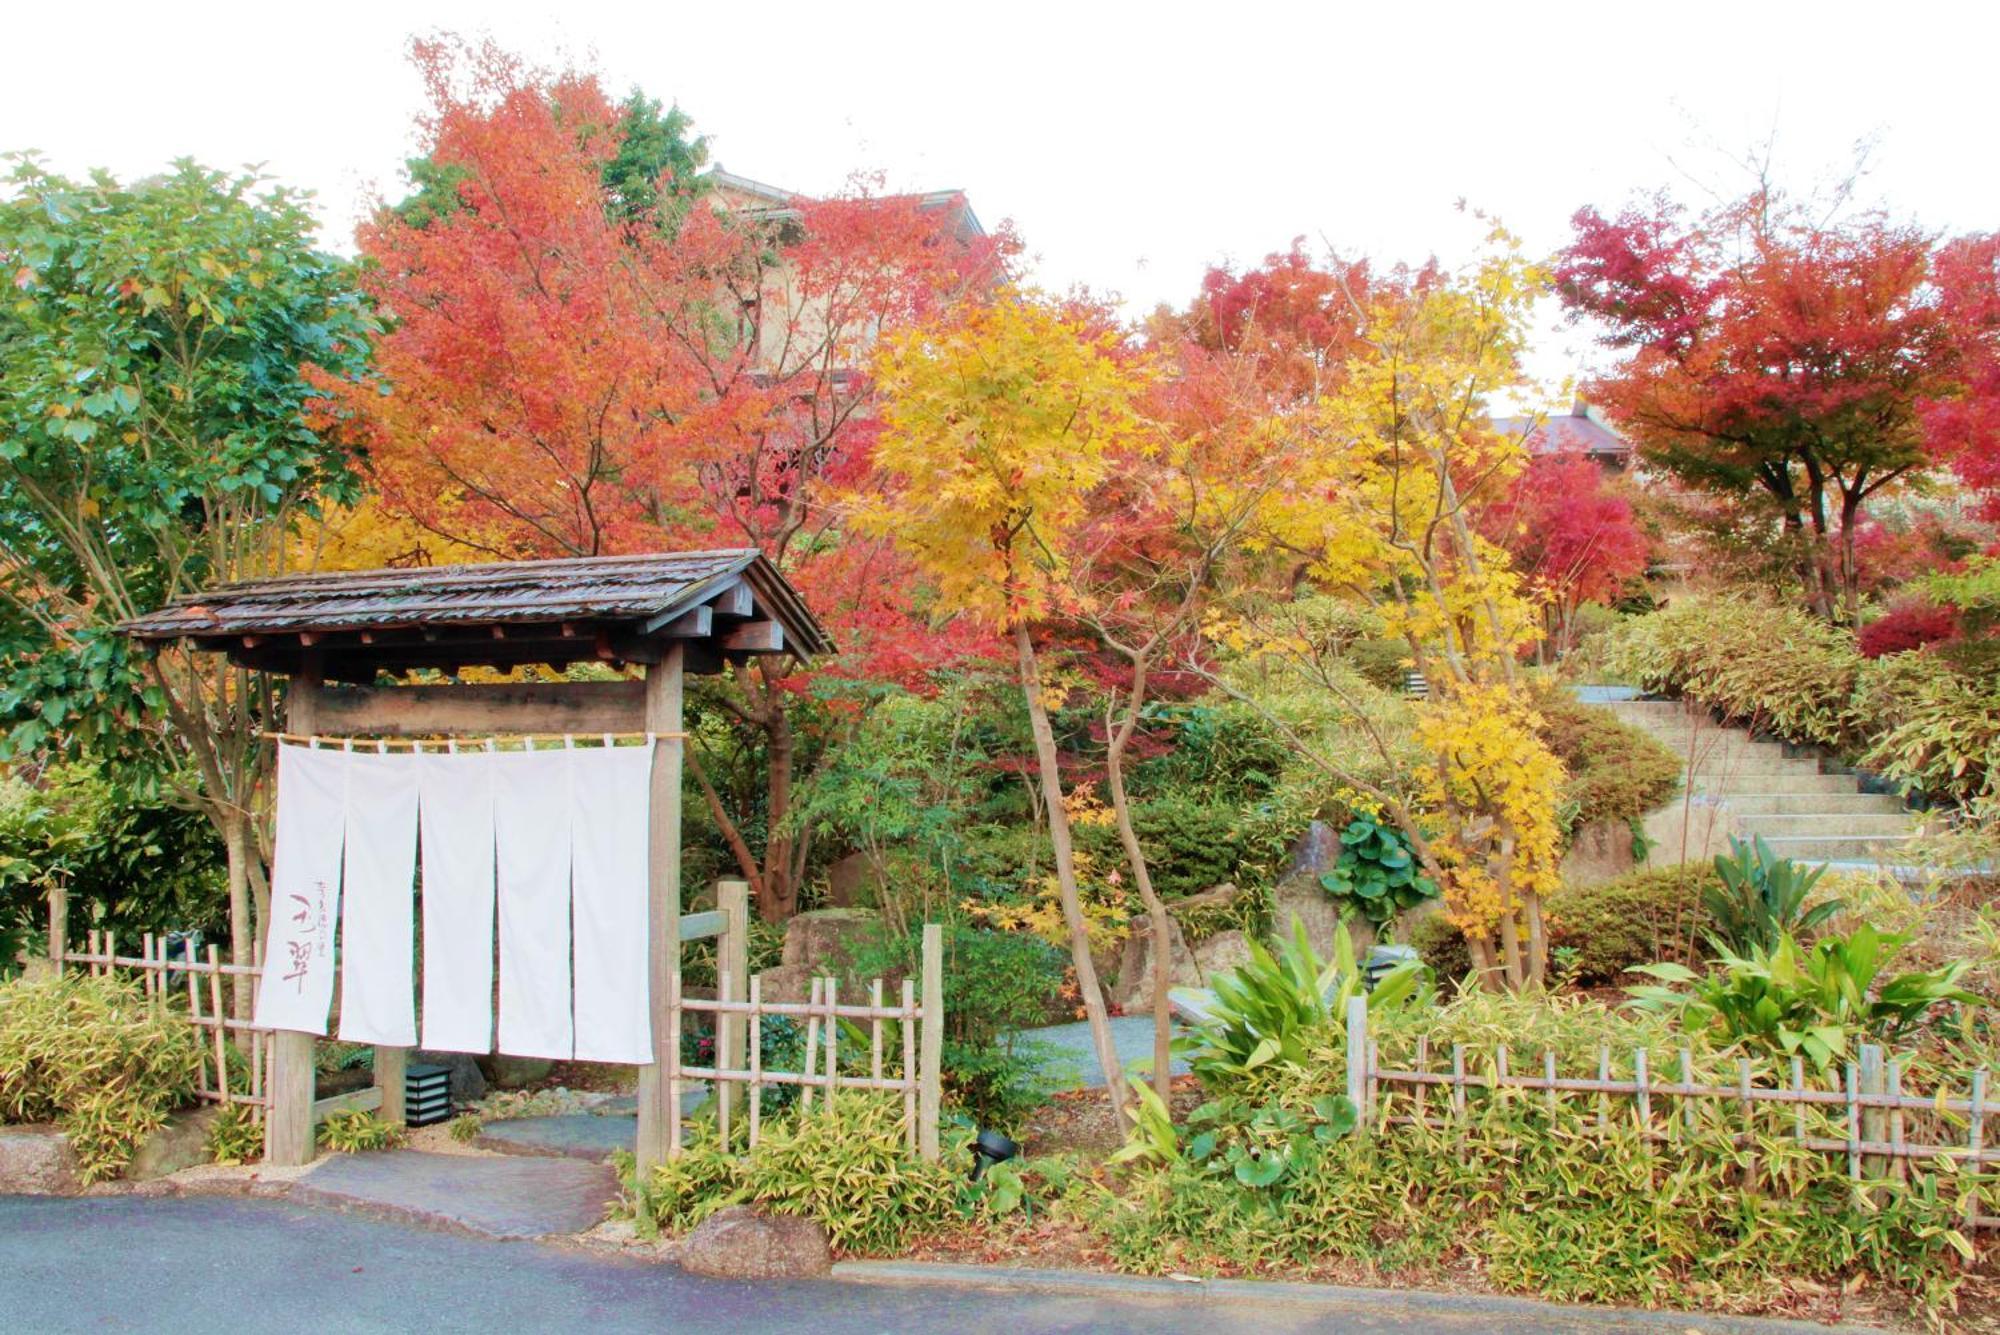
(1133, 145)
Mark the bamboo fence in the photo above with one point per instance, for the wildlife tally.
(1879, 1127)
(162, 974)
(914, 1073)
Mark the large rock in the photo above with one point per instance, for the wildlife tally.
(736, 1242)
(1301, 896)
(37, 1161)
(1314, 852)
(1598, 852)
(182, 1143)
(1224, 950)
(829, 939)
(820, 944)
(1138, 966)
(468, 1082)
(1217, 901)
(504, 1072)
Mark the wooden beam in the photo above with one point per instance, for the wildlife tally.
(701, 926)
(755, 637)
(354, 1100)
(735, 601)
(466, 710)
(659, 1089)
(696, 624)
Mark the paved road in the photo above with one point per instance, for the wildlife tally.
(208, 1264)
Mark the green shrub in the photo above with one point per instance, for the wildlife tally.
(465, 1127)
(1381, 662)
(1814, 1001)
(1377, 874)
(848, 1168)
(1771, 668)
(1267, 1011)
(1761, 897)
(1937, 728)
(1616, 772)
(356, 1131)
(1639, 918)
(1541, 1209)
(235, 1136)
(995, 984)
(93, 1055)
(1442, 947)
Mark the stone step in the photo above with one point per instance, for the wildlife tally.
(1719, 744)
(1860, 848)
(1783, 783)
(1815, 804)
(1842, 825)
(1726, 766)
(1650, 708)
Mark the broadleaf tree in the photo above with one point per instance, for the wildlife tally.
(154, 439)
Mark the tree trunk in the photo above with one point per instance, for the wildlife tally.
(236, 845)
(1156, 910)
(778, 899)
(1072, 907)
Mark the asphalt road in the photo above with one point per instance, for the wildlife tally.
(211, 1264)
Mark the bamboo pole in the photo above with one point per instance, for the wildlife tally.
(724, 1091)
(812, 1048)
(875, 1029)
(931, 1094)
(755, 1112)
(58, 926)
(221, 1035)
(909, 1030)
(832, 1040)
(732, 958)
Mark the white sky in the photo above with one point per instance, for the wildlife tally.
(1133, 144)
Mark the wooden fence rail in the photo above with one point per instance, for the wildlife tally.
(917, 1077)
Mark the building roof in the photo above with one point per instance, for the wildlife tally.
(723, 604)
(1581, 430)
(777, 203)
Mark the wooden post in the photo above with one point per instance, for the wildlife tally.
(930, 1091)
(663, 904)
(58, 925)
(288, 1131)
(1357, 1055)
(392, 1067)
(732, 961)
(1874, 1121)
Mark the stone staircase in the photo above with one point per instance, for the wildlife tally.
(1800, 811)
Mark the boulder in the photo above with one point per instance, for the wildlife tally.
(468, 1082)
(1598, 852)
(504, 1072)
(181, 1143)
(37, 1161)
(1224, 950)
(788, 984)
(1136, 968)
(829, 939)
(1314, 852)
(1301, 896)
(1215, 902)
(737, 1242)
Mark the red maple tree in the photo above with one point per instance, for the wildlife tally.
(1571, 533)
(566, 377)
(1771, 352)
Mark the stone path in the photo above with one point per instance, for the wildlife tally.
(1071, 1062)
(487, 1196)
(589, 1136)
